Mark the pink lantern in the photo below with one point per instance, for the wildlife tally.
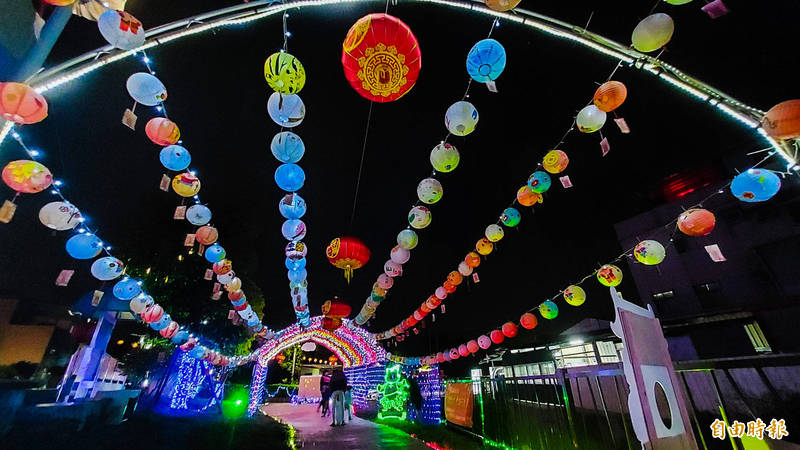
(472, 346)
(484, 342)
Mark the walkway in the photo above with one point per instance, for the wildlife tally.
(314, 431)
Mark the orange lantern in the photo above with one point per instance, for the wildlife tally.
(26, 176)
(59, 2)
(610, 95)
(528, 321)
(206, 235)
(696, 222)
(484, 246)
(281, 358)
(555, 161)
(454, 278)
(473, 259)
(381, 57)
(21, 104)
(347, 253)
(782, 121)
(332, 359)
(526, 196)
(162, 131)
(449, 287)
(502, 5)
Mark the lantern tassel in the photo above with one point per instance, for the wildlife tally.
(348, 273)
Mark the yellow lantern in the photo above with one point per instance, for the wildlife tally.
(284, 73)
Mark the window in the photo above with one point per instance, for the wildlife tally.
(575, 355)
(757, 338)
(607, 351)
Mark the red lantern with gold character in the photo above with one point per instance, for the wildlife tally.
(347, 253)
(334, 311)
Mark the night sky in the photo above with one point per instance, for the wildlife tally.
(217, 95)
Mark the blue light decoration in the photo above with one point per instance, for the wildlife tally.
(430, 385)
(365, 380)
(257, 394)
(191, 374)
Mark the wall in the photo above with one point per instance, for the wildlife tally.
(21, 342)
(16, 34)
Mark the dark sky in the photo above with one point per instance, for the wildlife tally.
(217, 95)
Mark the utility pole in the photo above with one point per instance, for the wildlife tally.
(294, 360)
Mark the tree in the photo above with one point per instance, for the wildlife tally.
(293, 355)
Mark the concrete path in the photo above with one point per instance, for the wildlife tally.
(315, 432)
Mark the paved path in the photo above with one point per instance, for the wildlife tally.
(315, 432)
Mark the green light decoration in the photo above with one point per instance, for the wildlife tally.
(235, 403)
(394, 394)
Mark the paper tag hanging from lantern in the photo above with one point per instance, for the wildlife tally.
(715, 9)
(231, 314)
(715, 253)
(189, 240)
(63, 277)
(216, 295)
(605, 146)
(129, 119)
(180, 213)
(442, 308)
(96, 297)
(492, 86)
(416, 331)
(208, 275)
(475, 278)
(622, 125)
(565, 181)
(165, 181)
(217, 287)
(7, 211)
(200, 249)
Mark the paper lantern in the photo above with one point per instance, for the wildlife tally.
(590, 119)
(222, 266)
(146, 89)
(502, 5)
(234, 285)
(287, 111)
(464, 269)
(121, 30)
(497, 336)
(510, 217)
(162, 131)
(486, 60)
(463, 350)
(284, 73)
(21, 104)
(528, 321)
(236, 295)
(755, 185)
(347, 253)
(433, 302)
(214, 253)
(292, 206)
(484, 342)
(93, 10)
(385, 281)
(407, 239)
(548, 310)
(206, 235)
(186, 184)
(440, 293)
(161, 323)
(169, 331)
(445, 158)
(649, 252)
(429, 191)
(609, 275)
(287, 147)
(461, 118)
(392, 269)
(782, 121)
(484, 246)
(574, 295)
(539, 181)
(27, 177)
(180, 337)
(610, 95)
(198, 214)
(677, 2)
(653, 32)
(290, 177)
(381, 57)
(59, 216)
(59, 2)
(696, 222)
(526, 196)
(454, 354)
(454, 278)
(152, 313)
(472, 259)
(449, 287)
(293, 230)
(399, 255)
(494, 232)
(139, 303)
(555, 161)
(175, 157)
(107, 268)
(296, 276)
(509, 329)
(296, 250)
(84, 246)
(127, 289)
(419, 217)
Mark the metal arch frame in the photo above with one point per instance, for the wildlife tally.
(748, 116)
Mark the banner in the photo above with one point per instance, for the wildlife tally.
(458, 404)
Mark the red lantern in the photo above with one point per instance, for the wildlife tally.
(336, 309)
(509, 329)
(152, 313)
(347, 253)
(21, 104)
(236, 295)
(462, 350)
(497, 336)
(330, 323)
(528, 321)
(472, 346)
(162, 131)
(472, 259)
(281, 357)
(449, 287)
(696, 222)
(381, 57)
(332, 359)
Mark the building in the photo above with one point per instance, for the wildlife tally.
(20, 343)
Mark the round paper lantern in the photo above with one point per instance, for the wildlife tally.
(121, 30)
(454, 354)
(127, 289)
(392, 269)
(287, 147)
(407, 239)
(284, 73)
(162, 131)
(290, 177)
(381, 57)
(449, 287)
(236, 295)
(526, 196)
(175, 157)
(494, 232)
(206, 235)
(445, 158)
(484, 342)
(510, 217)
(84, 246)
(107, 268)
(755, 185)
(677, 2)
(609, 275)
(463, 350)
(782, 121)
(484, 246)
(292, 206)
(59, 216)
(169, 331)
(502, 5)
(649, 252)
(146, 89)
(574, 295)
(653, 32)
(548, 310)
(186, 184)
(509, 329)
(348, 253)
(21, 104)
(497, 336)
(139, 303)
(610, 95)
(440, 293)
(152, 313)
(296, 276)
(590, 119)
(161, 323)
(486, 60)
(296, 250)
(555, 161)
(528, 321)
(454, 278)
(429, 191)
(399, 255)
(385, 281)
(293, 230)
(473, 259)
(198, 214)
(461, 118)
(222, 266)
(464, 269)
(26, 176)
(433, 302)
(180, 337)
(214, 253)
(419, 217)
(539, 181)
(234, 285)
(696, 222)
(287, 111)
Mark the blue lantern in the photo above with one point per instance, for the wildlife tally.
(107, 268)
(287, 147)
(253, 321)
(297, 276)
(486, 60)
(293, 230)
(539, 181)
(755, 185)
(127, 289)
(215, 253)
(292, 206)
(198, 215)
(510, 217)
(84, 246)
(161, 323)
(300, 285)
(175, 157)
(290, 177)
(239, 302)
(180, 337)
(295, 264)
(197, 352)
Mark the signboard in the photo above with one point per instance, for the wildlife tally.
(458, 404)
(309, 387)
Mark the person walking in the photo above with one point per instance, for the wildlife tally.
(348, 402)
(325, 392)
(338, 386)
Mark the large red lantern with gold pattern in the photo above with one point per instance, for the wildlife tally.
(381, 57)
(347, 253)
